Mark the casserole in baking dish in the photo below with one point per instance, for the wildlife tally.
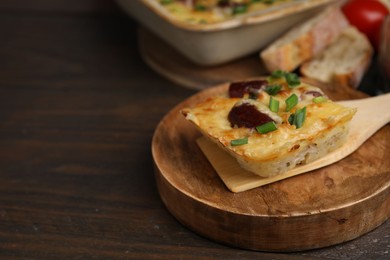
(218, 40)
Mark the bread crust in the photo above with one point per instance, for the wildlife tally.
(344, 62)
(304, 41)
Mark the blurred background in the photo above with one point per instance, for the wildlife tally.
(78, 108)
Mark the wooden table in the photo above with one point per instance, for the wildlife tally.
(78, 107)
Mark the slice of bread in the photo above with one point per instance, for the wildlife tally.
(344, 62)
(304, 41)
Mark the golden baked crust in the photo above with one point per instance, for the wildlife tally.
(323, 130)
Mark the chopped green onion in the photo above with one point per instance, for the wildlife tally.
(298, 118)
(240, 9)
(165, 2)
(291, 119)
(267, 127)
(291, 102)
(274, 105)
(237, 142)
(277, 74)
(320, 99)
(272, 90)
(200, 7)
(292, 80)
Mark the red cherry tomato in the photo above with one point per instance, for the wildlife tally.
(367, 16)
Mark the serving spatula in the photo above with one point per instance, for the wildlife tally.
(372, 114)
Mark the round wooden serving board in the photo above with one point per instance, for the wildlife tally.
(324, 207)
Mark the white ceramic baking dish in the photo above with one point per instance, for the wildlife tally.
(212, 44)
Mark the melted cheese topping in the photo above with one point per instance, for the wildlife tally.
(211, 117)
(208, 11)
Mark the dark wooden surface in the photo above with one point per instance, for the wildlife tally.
(78, 108)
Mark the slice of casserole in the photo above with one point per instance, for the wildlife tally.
(273, 125)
